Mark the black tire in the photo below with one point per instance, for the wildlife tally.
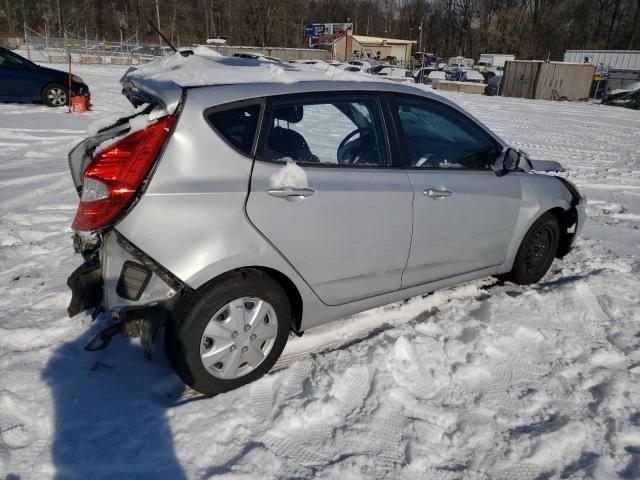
(55, 95)
(184, 331)
(536, 252)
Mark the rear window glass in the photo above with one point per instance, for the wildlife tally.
(237, 125)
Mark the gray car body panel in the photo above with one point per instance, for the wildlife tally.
(341, 224)
(192, 218)
(480, 202)
(112, 259)
(540, 194)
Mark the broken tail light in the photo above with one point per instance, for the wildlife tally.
(115, 174)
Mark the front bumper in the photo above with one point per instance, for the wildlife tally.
(581, 217)
(80, 89)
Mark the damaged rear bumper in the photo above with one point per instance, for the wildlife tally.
(119, 278)
(86, 288)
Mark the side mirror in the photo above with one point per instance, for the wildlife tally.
(507, 162)
(511, 160)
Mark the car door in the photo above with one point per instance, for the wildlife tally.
(325, 194)
(464, 214)
(18, 77)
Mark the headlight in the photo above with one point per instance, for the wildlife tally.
(76, 79)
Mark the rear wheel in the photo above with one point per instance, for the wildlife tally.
(55, 95)
(537, 251)
(230, 334)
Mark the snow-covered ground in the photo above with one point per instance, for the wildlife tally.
(479, 381)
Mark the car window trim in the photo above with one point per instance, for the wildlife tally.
(402, 141)
(259, 101)
(397, 152)
(323, 97)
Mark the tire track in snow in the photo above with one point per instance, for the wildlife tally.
(316, 444)
(386, 435)
(63, 183)
(593, 329)
(591, 303)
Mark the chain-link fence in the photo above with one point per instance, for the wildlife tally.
(85, 50)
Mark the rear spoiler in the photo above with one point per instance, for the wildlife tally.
(139, 90)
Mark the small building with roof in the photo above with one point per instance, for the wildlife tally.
(345, 46)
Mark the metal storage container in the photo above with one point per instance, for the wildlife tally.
(547, 80)
(616, 59)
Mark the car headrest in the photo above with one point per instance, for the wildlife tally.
(291, 114)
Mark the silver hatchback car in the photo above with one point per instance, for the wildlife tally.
(244, 201)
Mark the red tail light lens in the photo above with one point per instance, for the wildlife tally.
(116, 173)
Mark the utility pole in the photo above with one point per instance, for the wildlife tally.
(158, 22)
(59, 18)
(420, 39)
(26, 40)
(206, 17)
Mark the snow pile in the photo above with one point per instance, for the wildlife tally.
(203, 51)
(202, 68)
(136, 123)
(291, 175)
(632, 87)
(108, 120)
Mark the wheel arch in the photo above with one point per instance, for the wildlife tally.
(567, 218)
(295, 299)
(523, 227)
(290, 288)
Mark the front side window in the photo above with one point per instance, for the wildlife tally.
(236, 125)
(436, 137)
(336, 132)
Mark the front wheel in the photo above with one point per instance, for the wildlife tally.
(230, 334)
(55, 95)
(536, 252)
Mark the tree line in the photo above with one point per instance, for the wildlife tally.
(527, 28)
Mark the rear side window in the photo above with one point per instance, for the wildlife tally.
(236, 125)
(335, 132)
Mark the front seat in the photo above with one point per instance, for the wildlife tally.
(286, 143)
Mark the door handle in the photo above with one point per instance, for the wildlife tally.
(291, 194)
(433, 193)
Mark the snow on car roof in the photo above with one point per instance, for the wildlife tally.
(207, 67)
(473, 75)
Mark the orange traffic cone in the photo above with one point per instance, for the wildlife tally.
(80, 104)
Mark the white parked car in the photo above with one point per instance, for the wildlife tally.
(396, 74)
(434, 77)
(472, 76)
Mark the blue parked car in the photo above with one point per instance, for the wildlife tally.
(21, 80)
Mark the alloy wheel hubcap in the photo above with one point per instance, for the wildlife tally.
(238, 338)
(57, 96)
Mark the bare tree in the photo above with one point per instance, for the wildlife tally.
(528, 28)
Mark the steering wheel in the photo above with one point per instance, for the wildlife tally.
(343, 150)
